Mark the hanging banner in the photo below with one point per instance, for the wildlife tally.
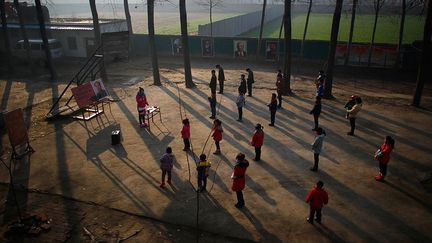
(83, 95)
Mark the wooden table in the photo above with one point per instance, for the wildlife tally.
(151, 112)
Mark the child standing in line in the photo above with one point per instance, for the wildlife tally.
(383, 157)
(279, 87)
(242, 88)
(258, 141)
(349, 105)
(185, 132)
(317, 147)
(352, 114)
(238, 179)
(142, 103)
(240, 103)
(203, 172)
(217, 134)
(316, 111)
(213, 102)
(316, 198)
(167, 162)
(273, 108)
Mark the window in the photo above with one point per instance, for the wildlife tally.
(72, 43)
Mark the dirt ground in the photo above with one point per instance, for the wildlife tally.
(113, 191)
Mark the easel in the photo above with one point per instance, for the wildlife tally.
(93, 110)
(17, 132)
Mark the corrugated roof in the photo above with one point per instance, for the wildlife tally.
(51, 27)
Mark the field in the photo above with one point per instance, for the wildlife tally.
(320, 27)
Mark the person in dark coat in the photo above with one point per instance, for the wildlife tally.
(273, 108)
(238, 178)
(213, 82)
(250, 81)
(213, 102)
(242, 87)
(316, 198)
(316, 111)
(167, 162)
(203, 172)
(279, 87)
(221, 78)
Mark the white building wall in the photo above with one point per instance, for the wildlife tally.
(79, 35)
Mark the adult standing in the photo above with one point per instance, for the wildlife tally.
(320, 84)
(258, 141)
(213, 82)
(316, 111)
(242, 87)
(221, 78)
(383, 157)
(238, 177)
(273, 108)
(250, 81)
(279, 88)
(352, 114)
(316, 198)
(240, 103)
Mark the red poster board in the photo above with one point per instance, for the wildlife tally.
(83, 95)
(16, 127)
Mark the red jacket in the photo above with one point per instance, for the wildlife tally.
(217, 133)
(238, 175)
(317, 197)
(185, 132)
(385, 150)
(141, 101)
(258, 139)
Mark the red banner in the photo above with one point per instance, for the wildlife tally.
(83, 95)
(16, 127)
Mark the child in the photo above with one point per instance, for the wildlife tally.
(217, 134)
(273, 108)
(167, 161)
(383, 157)
(185, 132)
(352, 114)
(238, 179)
(141, 100)
(242, 88)
(257, 141)
(316, 198)
(240, 103)
(317, 147)
(203, 172)
(213, 81)
(349, 105)
(279, 86)
(316, 111)
(213, 102)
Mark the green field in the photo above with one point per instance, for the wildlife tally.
(320, 27)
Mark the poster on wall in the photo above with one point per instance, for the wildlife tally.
(207, 47)
(99, 90)
(240, 48)
(271, 50)
(88, 93)
(383, 56)
(177, 47)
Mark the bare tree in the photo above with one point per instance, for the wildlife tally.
(378, 4)
(351, 31)
(24, 34)
(185, 45)
(210, 4)
(128, 16)
(152, 42)
(332, 52)
(305, 28)
(97, 35)
(6, 37)
(287, 61)
(261, 28)
(44, 36)
(424, 72)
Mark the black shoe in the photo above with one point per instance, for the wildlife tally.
(237, 205)
(212, 117)
(309, 221)
(239, 120)
(313, 169)
(272, 125)
(318, 220)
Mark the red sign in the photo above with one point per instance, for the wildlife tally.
(16, 127)
(83, 95)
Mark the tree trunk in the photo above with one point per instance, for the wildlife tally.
(43, 33)
(305, 28)
(6, 37)
(287, 63)
(280, 35)
(128, 16)
(332, 51)
(185, 45)
(377, 9)
(211, 18)
(401, 32)
(424, 72)
(152, 43)
(351, 31)
(24, 35)
(97, 34)
(261, 29)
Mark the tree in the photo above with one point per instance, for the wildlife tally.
(210, 4)
(378, 4)
(24, 34)
(185, 45)
(6, 37)
(351, 31)
(287, 61)
(152, 43)
(43, 33)
(424, 72)
(261, 28)
(305, 28)
(128, 16)
(332, 51)
(97, 34)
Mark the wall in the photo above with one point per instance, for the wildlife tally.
(236, 25)
(80, 37)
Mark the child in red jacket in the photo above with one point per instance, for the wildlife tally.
(185, 132)
(238, 177)
(316, 198)
(141, 100)
(258, 141)
(383, 157)
(217, 134)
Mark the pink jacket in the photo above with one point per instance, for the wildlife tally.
(185, 132)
